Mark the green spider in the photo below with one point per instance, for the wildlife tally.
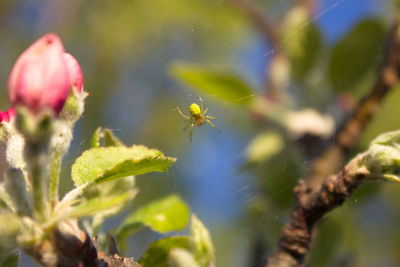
(197, 116)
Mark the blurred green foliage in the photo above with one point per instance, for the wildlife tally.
(227, 87)
(348, 62)
(126, 48)
(302, 41)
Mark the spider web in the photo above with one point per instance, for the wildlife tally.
(243, 186)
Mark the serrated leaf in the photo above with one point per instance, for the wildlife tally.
(355, 54)
(103, 164)
(301, 40)
(157, 254)
(203, 248)
(104, 137)
(220, 83)
(164, 215)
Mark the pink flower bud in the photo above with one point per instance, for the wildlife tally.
(74, 72)
(7, 116)
(39, 78)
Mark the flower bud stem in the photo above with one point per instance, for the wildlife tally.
(55, 167)
(37, 158)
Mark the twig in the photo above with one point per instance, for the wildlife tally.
(318, 195)
(296, 237)
(349, 133)
(308, 4)
(262, 23)
(271, 33)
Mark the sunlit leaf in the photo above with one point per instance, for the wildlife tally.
(164, 215)
(355, 54)
(157, 254)
(203, 247)
(220, 83)
(178, 257)
(108, 163)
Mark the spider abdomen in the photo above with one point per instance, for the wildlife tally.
(195, 110)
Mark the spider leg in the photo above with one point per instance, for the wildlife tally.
(185, 128)
(191, 125)
(213, 125)
(204, 111)
(201, 103)
(181, 113)
(210, 117)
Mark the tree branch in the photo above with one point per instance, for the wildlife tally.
(317, 195)
(349, 132)
(268, 29)
(296, 237)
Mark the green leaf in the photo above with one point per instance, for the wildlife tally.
(198, 244)
(355, 54)
(103, 164)
(111, 188)
(383, 157)
(385, 119)
(178, 257)
(157, 254)
(11, 260)
(264, 146)
(202, 244)
(105, 190)
(96, 138)
(301, 40)
(104, 137)
(220, 83)
(325, 251)
(95, 205)
(164, 215)
(10, 226)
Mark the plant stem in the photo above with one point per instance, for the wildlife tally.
(55, 167)
(37, 158)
